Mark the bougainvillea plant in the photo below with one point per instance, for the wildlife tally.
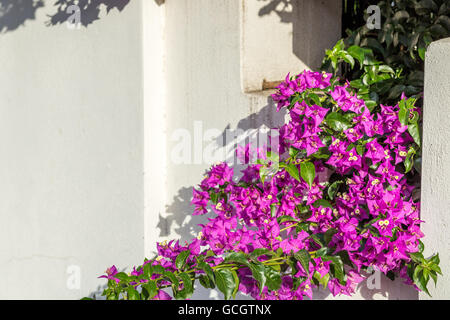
(329, 205)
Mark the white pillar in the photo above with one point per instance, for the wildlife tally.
(153, 14)
(435, 163)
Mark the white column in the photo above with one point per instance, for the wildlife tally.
(435, 163)
(154, 121)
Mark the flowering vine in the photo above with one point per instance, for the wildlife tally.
(333, 201)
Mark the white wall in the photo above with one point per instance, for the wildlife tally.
(278, 37)
(71, 156)
(435, 201)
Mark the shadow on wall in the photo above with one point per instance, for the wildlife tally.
(89, 10)
(15, 13)
(305, 26)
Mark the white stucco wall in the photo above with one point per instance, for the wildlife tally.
(278, 37)
(71, 156)
(435, 164)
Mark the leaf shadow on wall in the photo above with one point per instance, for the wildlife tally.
(90, 10)
(15, 13)
(306, 27)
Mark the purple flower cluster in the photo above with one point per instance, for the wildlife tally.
(371, 221)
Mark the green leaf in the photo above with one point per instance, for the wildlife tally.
(317, 239)
(237, 257)
(357, 84)
(403, 113)
(337, 121)
(413, 129)
(208, 271)
(421, 52)
(303, 212)
(148, 271)
(112, 296)
(400, 15)
(188, 288)
(273, 278)
(396, 91)
(181, 259)
(263, 172)
(363, 55)
(214, 197)
(419, 279)
(273, 210)
(122, 276)
(308, 172)
(260, 252)
(293, 152)
(360, 149)
(436, 268)
(434, 277)
(225, 282)
(421, 246)
(322, 202)
(282, 219)
(329, 235)
(151, 289)
(273, 157)
(293, 171)
(158, 269)
(304, 258)
(348, 58)
(417, 257)
(133, 294)
(435, 259)
(333, 188)
(322, 153)
(322, 252)
(385, 69)
(339, 46)
(373, 44)
(172, 278)
(236, 283)
(322, 280)
(258, 272)
(315, 99)
(206, 282)
(409, 160)
(336, 266)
